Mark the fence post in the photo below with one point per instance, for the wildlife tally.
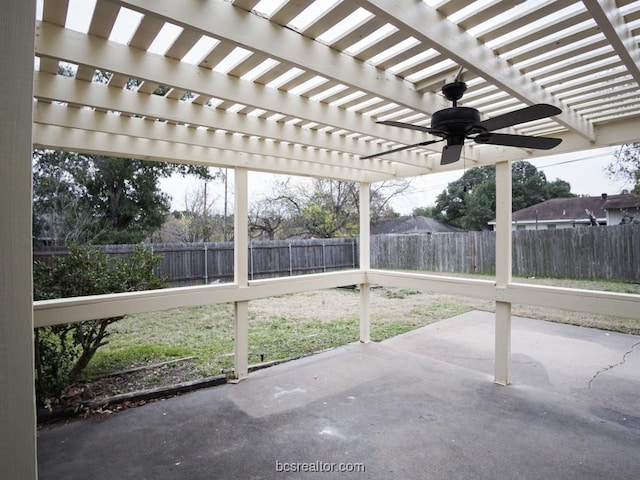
(251, 260)
(353, 253)
(206, 266)
(324, 258)
(290, 260)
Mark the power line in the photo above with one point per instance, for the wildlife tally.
(581, 159)
(571, 161)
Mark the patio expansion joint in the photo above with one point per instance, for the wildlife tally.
(610, 367)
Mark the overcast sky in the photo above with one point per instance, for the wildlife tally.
(585, 171)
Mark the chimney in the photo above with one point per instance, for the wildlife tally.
(604, 196)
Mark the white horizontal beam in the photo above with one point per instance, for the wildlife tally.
(77, 140)
(609, 134)
(223, 21)
(64, 89)
(52, 312)
(94, 121)
(77, 309)
(81, 49)
(578, 300)
(623, 305)
(434, 283)
(468, 52)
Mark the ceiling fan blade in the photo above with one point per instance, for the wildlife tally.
(523, 141)
(527, 114)
(399, 149)
(450, 154)
(420, 128)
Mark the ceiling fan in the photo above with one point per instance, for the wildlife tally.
(456, 124)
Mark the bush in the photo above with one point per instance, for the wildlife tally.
(63, 351)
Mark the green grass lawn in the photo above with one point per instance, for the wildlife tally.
(295, 325)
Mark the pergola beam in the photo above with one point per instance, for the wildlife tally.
(456, 44)
(614, 28)
(77, 140)
(81, 49)
(95, 121)
(226, 22)
(84, 135)
(64, 89)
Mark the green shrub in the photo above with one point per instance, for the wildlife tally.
(63, 351)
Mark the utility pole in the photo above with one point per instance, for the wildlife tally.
(224, 226)
(205, 227)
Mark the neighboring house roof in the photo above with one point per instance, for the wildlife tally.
(629, 200)
(562, 209)
(412, 225)
(574, 208)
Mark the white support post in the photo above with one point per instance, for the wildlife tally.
(241, 332)
(17, 400)
(503, 272)
(365, 313)
(241, 272)
(503, 344)
(365, 263)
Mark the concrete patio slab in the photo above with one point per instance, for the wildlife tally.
(419, 406)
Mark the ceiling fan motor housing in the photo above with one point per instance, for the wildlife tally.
(458, 122)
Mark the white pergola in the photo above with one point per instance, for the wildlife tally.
(292, 87)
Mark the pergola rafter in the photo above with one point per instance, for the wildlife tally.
(468, 52)
(611, 22)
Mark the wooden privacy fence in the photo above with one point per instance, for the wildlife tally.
(463, 252)
(607, 253)
(212, 262)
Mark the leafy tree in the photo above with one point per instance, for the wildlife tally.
(125, 194)
(425, 212)
(626, 166)
(322, 208)
(63, 351)
(453, 205)
(98, 199)
(529, 185)
(559, 189)
(470, 201)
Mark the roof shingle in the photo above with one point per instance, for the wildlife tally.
(574, 208)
